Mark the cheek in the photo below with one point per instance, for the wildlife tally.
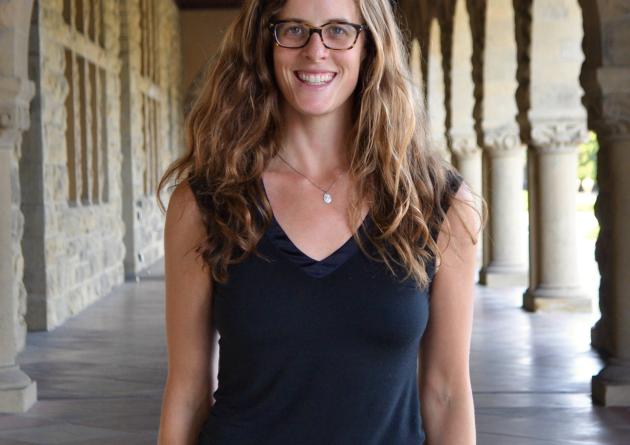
(353, 65)
(280, 64)
(276, 63)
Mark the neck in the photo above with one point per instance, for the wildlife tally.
(316, 145)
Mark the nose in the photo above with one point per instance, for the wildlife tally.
(315, 48)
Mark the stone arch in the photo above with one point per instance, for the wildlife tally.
(592, 101)
(604, 75)
(435, 85)
(461, 86)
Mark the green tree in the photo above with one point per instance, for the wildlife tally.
(587, 159)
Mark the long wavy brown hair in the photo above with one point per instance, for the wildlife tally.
(233, 131)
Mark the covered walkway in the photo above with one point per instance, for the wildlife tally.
(100, 375)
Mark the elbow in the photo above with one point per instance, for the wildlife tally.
(446, 394)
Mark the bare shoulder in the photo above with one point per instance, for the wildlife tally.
(188, 309)
(464, 218)
(182, 206)
(183, 217)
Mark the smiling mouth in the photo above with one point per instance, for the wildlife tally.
(315, 79)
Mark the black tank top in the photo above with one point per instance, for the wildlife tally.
(317, 352)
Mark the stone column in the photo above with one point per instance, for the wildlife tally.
(556, 283)
(611, 386)
(415, 63)
(558, 125)
(462, 137)
(503, 158)
(17, 391)
(467, 157)
(503, 241)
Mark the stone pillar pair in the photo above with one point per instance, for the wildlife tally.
(547, 68)
(17, 391)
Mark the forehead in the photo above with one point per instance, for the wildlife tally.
(317, 12)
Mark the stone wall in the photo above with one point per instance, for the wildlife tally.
(72, 246)
(152, 122)
(74, 168)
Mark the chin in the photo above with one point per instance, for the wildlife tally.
(312, 110)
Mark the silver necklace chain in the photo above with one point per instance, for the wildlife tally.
(327, 197)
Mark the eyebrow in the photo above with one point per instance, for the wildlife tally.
(293, 19)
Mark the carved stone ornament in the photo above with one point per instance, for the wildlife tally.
(502, 141)
(616, 117)
(464, 144)
(558, 135)
(15, 96)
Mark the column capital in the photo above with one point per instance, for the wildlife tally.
(615, 122)
(463, 143)
(503, 140)
(558, 135)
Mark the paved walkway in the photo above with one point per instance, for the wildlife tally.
(100, 376)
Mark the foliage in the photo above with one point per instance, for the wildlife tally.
(587, 158)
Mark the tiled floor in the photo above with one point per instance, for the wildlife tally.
(100, 375)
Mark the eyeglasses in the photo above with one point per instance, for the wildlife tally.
(334, 35)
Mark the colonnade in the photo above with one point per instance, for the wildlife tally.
(513, 87)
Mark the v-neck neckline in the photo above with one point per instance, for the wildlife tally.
(308, 265)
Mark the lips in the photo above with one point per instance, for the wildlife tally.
(315, 78)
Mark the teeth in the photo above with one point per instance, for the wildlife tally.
(315, 79)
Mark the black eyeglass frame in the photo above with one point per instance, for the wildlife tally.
(318, 30)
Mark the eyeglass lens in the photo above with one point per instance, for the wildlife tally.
(335, 35)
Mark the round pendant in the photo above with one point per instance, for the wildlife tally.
(327, 198)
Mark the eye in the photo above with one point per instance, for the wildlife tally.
(338, 30)
(294, 30)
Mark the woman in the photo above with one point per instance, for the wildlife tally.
(304, 231)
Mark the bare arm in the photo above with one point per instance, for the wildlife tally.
(189, 332)
(444, 378)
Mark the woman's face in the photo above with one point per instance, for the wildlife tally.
(333, 74)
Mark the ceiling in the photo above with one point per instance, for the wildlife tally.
(208, 4)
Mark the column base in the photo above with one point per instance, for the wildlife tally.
(600, 338)
(550, 299)
(611, 387)
(17, 391)
(494, 276)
